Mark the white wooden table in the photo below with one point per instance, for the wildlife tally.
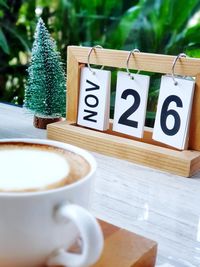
(157, 205)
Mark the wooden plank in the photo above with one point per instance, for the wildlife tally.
(125, 249)
(178, 162)
(142, 61)
(194, 139)
(108, 229)
(147, 137)
(73, 74)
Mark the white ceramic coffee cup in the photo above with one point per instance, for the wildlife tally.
(38, 227)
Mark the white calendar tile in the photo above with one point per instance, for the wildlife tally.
(130, 104)
(173, 112)
(94, 99)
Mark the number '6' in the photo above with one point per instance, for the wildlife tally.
(165, 113)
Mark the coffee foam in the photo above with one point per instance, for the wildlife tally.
(38, 167)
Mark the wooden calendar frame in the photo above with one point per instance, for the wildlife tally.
(143, 151)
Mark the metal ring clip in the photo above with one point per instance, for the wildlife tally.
(127, 62)
(88, 58)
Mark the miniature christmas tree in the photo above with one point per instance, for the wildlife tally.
(45, 91)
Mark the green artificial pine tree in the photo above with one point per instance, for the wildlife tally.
(45, 91)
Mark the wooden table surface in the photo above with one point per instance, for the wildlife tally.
(157, 205)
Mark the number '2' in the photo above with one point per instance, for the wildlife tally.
(124, 117)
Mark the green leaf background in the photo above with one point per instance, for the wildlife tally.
(155, 26)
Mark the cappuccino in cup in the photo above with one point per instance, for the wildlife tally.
(37, 167)
(44, 198)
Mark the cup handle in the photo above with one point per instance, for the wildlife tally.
(91, 235)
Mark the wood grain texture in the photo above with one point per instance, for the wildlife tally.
(194, 133)
(147, 137)
(125, 249)
(73, 77)
(16, 122)
(108, 229)
(141, 61)
(178, 162)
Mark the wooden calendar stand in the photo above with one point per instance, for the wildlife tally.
(142, 151)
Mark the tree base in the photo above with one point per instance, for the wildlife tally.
(42, 123)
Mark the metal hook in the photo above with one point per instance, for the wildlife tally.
(127, 62)
(88, 58)
(173, 66)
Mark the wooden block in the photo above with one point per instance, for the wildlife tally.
(73, 77)
(194, 140)
(125, 249)
(184, 163)
(140, 61)
(108, 229)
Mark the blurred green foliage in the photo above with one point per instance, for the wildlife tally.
(158, 26)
